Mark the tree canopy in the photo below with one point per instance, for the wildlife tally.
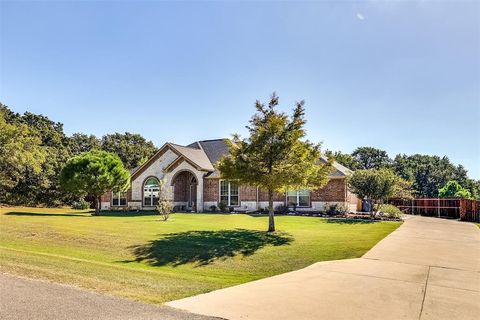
(453, 189)
(376, 185)
(21, 153)
(371, 158)
(275, 157)
(132, 148)
(94, 173)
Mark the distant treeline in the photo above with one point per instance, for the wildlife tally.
(427, 173)
(33, 150)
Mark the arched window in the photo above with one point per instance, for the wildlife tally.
(151, 190)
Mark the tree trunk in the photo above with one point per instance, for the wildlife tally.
(372, 209)
(271, 221)
(97, 206)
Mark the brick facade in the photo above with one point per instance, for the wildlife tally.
(211, 189)
(334, 191)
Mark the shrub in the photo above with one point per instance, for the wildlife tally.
(81, 204)
(390, 211)
(222, 206)
(164, 208)
(213, 208)
(281, 209)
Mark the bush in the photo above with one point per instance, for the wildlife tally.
(164, 208)
(281, 209)
(390, 211)
(213, 208)
(222, 206)
(81, 204)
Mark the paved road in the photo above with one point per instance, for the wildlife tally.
(427, 269)
(41, 300)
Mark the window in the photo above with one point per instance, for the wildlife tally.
(299, 198)
(119, 198)
(229, 193)
(151, 190)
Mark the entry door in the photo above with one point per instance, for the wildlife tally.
(192, 196)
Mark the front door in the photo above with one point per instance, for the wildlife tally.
(192, 196)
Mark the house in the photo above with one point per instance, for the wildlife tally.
(193, 184)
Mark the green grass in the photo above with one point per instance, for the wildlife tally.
(140, 257)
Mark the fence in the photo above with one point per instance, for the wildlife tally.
(455, 208)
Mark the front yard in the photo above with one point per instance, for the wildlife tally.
(139, 257)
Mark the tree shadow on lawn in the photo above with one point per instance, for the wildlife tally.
(85, 214)
(351, 221)
(41, 214)
(204, 247)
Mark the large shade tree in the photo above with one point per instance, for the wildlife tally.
(275, 157)
(94, 173)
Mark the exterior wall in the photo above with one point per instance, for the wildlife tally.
(180, 188)
(211, 191)
(334, 191)
(155, 170)
(277, 196)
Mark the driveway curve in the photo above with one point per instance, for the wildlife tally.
(427, 269)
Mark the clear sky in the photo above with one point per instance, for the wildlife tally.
(400, 76)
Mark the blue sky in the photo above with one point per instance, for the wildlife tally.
(400, 76)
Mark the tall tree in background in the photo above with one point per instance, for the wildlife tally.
(94, 173)
(344, 159)
(80, 142)
(132, 148)
(274, 157)
(371, 158)
(20, 152)
(429, 173)
(42, 187)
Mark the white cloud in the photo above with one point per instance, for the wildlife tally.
(360, 16)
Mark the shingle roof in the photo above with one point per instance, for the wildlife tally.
(196, 156)
(206, 153)
(133, 170)
(339, 170)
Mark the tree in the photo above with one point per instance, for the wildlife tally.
(375, 185)
(344, 159)
(429, 173)
(371, 158)
(80, 142)
(94, 173)
(274, 157)
(453, 189)
(20, 152)
(132, 148)
(165, 206)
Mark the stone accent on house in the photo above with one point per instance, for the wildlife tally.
(156, 169)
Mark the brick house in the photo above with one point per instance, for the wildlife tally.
(193, 183)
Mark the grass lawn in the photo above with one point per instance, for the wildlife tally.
(138, 256)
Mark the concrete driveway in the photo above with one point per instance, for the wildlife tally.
(427, 269)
